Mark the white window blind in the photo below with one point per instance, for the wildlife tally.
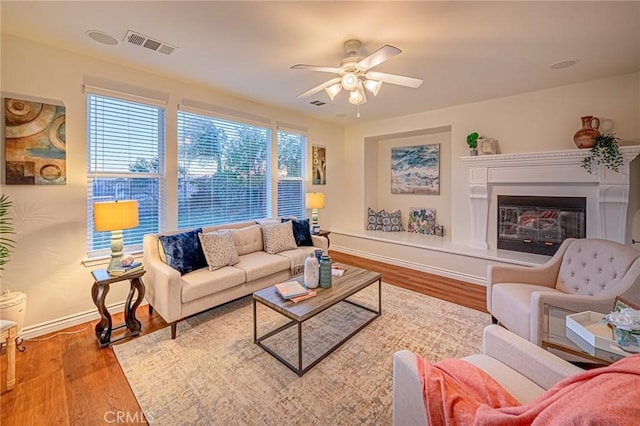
(291, 149)
(222, 170)
(126, 145)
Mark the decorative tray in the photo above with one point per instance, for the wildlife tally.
(597, 335)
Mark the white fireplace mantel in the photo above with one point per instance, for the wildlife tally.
(550, 173)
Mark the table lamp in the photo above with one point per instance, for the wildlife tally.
(314, 201)
(115, 216)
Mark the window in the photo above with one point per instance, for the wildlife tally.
(126, 142)
(222, 170)
(291, 149)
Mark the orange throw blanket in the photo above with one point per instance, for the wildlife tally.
(459, 393)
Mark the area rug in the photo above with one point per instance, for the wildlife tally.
(213, 373)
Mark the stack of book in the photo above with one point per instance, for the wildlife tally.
(294, 291)
(124, 270)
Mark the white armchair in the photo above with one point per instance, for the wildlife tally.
(584, 275)
(521, 368)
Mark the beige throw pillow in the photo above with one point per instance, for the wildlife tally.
(278, 237)
(219, 249)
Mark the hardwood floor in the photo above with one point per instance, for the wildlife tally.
(64, 378)
(459, 292)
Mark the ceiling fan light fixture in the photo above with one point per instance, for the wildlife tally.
(333, 90)
(373, 86)
(355, 97)
(358, 97)
(349, 81)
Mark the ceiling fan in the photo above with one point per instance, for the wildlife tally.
(355, 74)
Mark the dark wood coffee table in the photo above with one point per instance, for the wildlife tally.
(353, 280)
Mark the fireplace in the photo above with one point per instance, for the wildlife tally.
(539, 224)
(549, 174)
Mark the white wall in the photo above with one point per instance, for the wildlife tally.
(50, 221)
(531, 122)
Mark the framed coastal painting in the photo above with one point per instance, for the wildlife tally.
(422, 221)
(319, 168)
(415, 170)
(34, 143)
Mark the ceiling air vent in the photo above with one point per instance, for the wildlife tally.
(317, 103)
(144, 41)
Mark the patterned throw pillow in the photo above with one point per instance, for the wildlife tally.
(371, 219)
(278, 237)
(219, 249)
(392, 222)
(301, 232)
(374, 220)
(183, 251)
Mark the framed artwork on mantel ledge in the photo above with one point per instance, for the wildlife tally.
(487, 146)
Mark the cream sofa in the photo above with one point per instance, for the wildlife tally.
(176, 297)
(520, 367)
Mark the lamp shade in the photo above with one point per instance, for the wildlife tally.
(315, 200)
(333, 90)
(115, 215)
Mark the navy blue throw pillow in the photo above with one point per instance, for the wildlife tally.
(301, 231)
(183, 251)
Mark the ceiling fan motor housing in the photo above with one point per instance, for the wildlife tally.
(352, 46)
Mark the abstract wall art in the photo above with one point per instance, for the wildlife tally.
(35, 143)
(415, 170)
(319, 168)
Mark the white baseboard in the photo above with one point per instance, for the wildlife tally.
(473, 279)
(52, 326)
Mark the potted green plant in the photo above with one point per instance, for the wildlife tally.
(6, 228)
(472, 142)
(605, 151)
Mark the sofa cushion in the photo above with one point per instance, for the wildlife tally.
(183, 251)
(260, 264)
(248, 239)
(301, 232)
(278, 237)
(203, 282)
(219, 249)
(268, 221)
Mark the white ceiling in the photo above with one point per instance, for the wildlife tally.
(464, 51)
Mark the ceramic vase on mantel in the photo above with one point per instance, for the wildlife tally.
(586, 136)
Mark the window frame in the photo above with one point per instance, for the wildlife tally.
(94, 172)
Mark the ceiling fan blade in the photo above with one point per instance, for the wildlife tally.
(319, 88)
(315, 68)
(379, 56)
(395, 79)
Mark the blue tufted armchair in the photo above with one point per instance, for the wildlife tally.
(584, 275)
